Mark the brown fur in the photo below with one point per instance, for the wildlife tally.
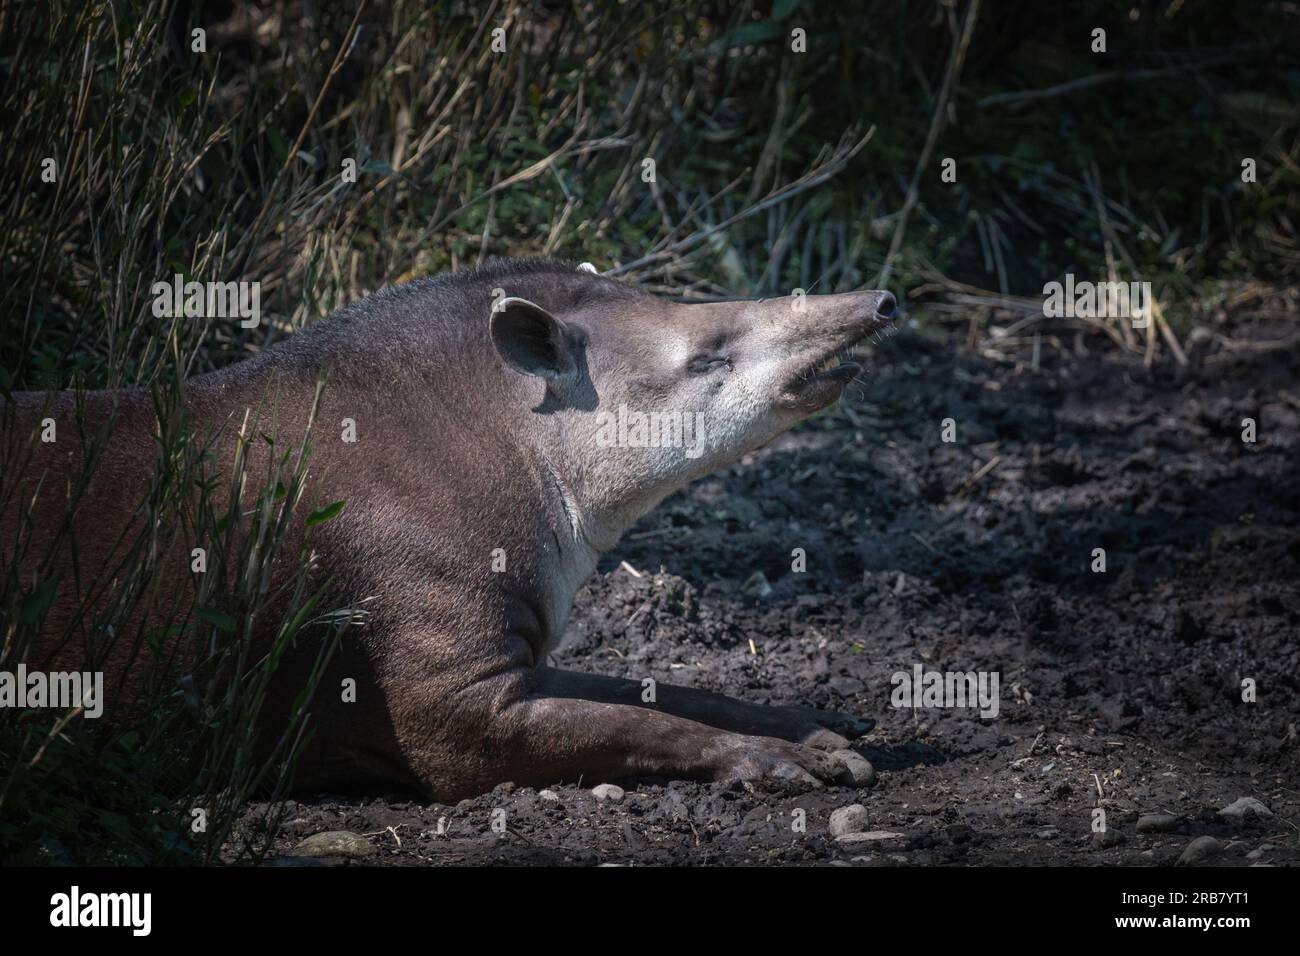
(457, 454)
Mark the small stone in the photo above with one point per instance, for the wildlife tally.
(1255, 854)
(850, 819)
(548, 796)
(1108, 838)
(1242, 809)
(334, 843)
(757, 585)
(1158, 823)
(872, 836)
(860, 770)
(1050, 833)
(608, 793)
(1200, 850)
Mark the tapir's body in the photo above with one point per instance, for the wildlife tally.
(478, 499)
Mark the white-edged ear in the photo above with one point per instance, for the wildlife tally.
(587, 267)
(530, 339)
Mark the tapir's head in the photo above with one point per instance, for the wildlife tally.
(656, 393)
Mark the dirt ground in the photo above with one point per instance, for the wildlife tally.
(1120, 690)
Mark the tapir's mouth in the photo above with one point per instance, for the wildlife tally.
(823, 380)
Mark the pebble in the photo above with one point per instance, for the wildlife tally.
(1158, 823)
(1242, 809)
(608, 793)
(757, 585)
(1107, 838)
(549, 796)
(1199, 850)
(860, 769)
(874, 836)
(850, 819)
(334, 843)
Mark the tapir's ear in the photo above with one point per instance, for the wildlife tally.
(530, 339)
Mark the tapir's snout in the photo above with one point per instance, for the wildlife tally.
(886, 305)
(821, 342)
(873, 309)
(851, 315)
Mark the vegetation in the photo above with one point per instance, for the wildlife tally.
(224, 156)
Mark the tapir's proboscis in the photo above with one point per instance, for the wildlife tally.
(483, 486)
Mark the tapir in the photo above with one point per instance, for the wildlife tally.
(481, 485)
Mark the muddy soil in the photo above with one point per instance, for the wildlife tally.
(1120, 690)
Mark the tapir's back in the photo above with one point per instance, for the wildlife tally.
(76, 469)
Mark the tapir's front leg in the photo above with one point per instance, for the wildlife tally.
(823, 729)
(533, 729)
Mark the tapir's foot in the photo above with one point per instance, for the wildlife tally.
(823, 729)
(775, 761)
(565, 726)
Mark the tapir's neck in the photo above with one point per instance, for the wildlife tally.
(590, 510)
(595, 516)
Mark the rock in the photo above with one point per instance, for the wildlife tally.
(1255, 854)
(1158, 823)
(1244, 808)
(1200, 850)
(850, 819)
(334, 843)
(548, 796)
(894, 841)
(860, 770)
(1049, 833)
(757, 585)
(608, 793)
(1108, 838)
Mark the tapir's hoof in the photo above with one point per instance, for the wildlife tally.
(846, 724)
(859, 772)
(827, 729)
(771, 760)
(819, 738)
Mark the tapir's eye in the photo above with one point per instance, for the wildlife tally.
(703, 364)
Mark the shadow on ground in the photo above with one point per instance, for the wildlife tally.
(1120, 690)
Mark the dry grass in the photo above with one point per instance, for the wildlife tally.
(773, 171)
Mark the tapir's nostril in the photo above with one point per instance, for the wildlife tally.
(887, 305)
